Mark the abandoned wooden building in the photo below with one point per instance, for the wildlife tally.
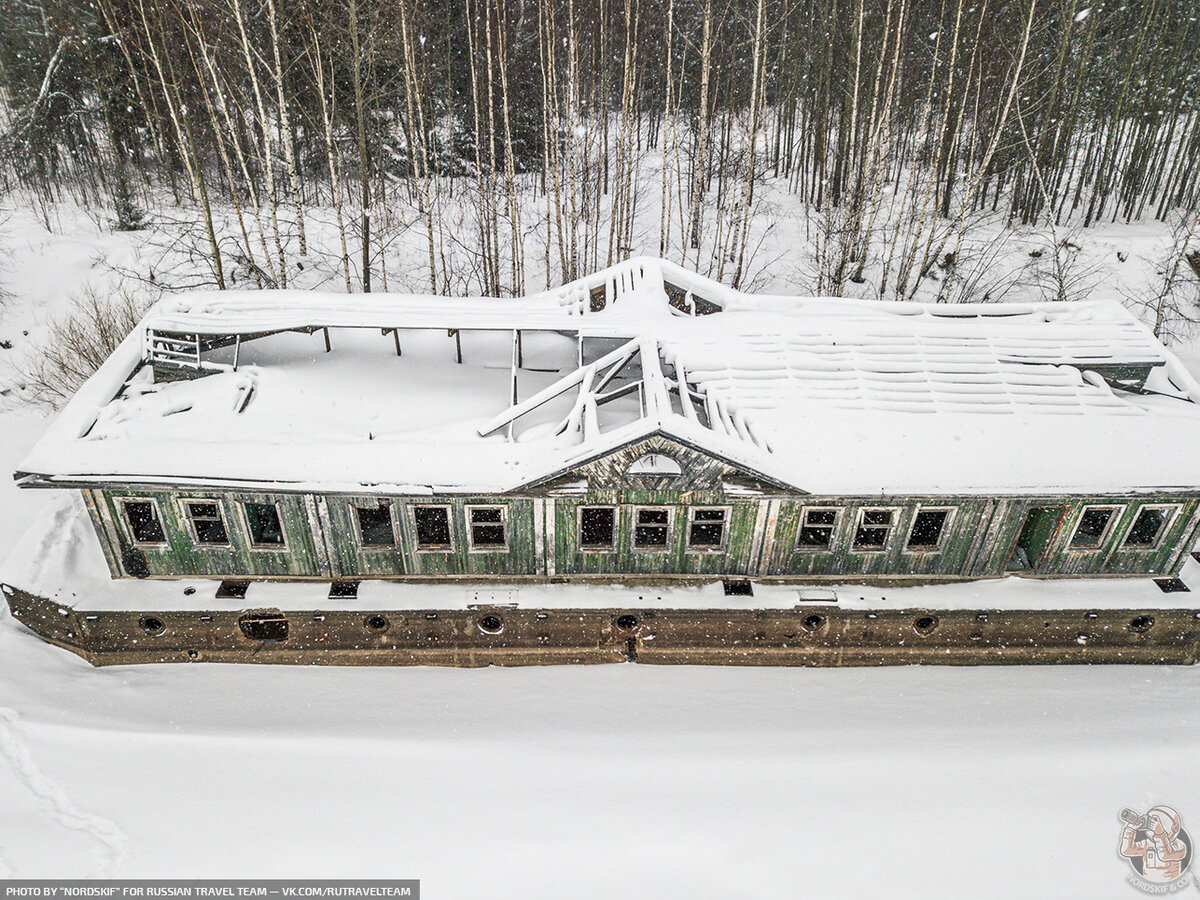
(644, 422)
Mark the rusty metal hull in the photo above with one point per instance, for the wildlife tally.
(803, 636)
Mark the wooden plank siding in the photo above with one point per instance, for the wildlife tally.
(542, 533)
(181, 555)
(738, 557)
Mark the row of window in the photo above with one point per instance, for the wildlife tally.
(207, 523)
(487, 529)
(488, 525)
(1096, 524)
(873, 529)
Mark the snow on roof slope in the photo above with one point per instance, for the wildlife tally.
(831, 396)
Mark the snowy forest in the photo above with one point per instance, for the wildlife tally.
(504, 146)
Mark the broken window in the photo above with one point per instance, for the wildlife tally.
(693, 305)
(1092, 527)
(144, 524)
(1148, 527)
(265, 528)
(598, 298)
(927, 529)
(707, 529)
(208, 525)
(597, 527)
(650, 529)
(816, 529)
(433, 527)
(375, 526)
(487, 527)
(874, 528)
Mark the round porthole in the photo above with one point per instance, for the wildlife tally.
(491, 625)
(1141, 624)
(815, 622)
(925, 624)
(152, 625)
(376, 624)
(627, 622)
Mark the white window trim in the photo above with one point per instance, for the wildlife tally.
(487, 548)
(691, 520)
(434, 548)
(125, 525)
(891, 529)
(191, 526)
(616, 531)
(1117, 509)
(268, 548)
(833, 529)
(1172, 510)
(670, 526)
(946, 526)
(373, 548)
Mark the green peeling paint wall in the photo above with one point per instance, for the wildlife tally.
(542, 531)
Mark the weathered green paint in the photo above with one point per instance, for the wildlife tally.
(542, 532)
(181, 555)
(350, 559)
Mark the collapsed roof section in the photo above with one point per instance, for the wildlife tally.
(824, 395)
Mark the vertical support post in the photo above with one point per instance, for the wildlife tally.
(396, 337)
(237, 351)
(328, 347)
(513, 369)
(520, 350)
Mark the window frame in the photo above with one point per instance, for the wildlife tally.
(486, 548)
(434, 548)
(616, 528)
(891, 529)
(669, 525)
(128, 527)
(947, 523)
(191, 525)
(691, 519)
(1109, 527)
(282, 546)
(1172, 510)
(833, 529)
(358, 536)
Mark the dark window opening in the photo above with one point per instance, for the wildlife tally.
(207, 523)
(816, 531)
(144, 524)
(487, 527)
(927, 529)
(433, 527)
(375, 526)
(1092, 526)
(874, 526)
(738, 587)
(265, 527)
(1147, 528)
(597, 525)
(650, 528)
(707, 530)
(598, 298)
(678, 298)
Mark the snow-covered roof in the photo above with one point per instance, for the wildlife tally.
(826, 395)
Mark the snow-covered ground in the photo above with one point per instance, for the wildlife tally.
(569, 782)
